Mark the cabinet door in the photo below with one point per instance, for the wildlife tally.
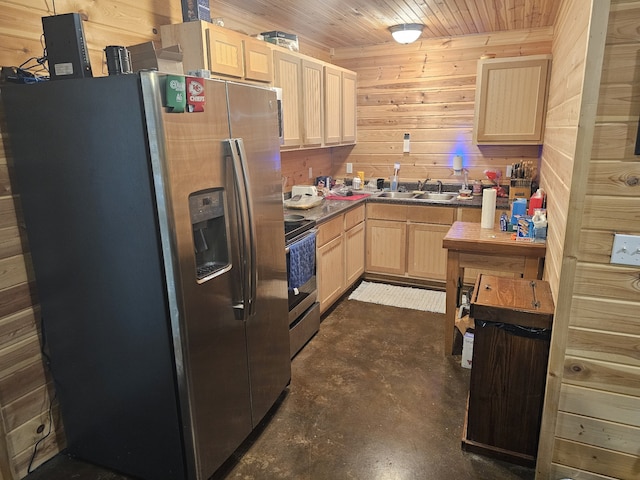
(312, 103)
(332, 105)
(258, 60)
(511, 97)
(354, 254)
(225, 47)
(330, 272)
(288, 70)
(425, 256)
(386, 247)
(349, 107)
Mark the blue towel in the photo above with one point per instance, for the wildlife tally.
(302, 261)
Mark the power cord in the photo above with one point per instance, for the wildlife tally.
(30, 71)
(47, 361)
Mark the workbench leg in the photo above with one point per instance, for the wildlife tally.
(453, 278)
(533, 268)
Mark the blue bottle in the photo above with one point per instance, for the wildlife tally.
(503, 222)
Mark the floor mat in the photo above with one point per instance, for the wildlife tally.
(403, 297)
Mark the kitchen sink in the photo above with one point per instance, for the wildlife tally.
(397, 195)
(436, 196)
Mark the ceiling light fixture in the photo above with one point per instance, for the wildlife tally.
(406, 32)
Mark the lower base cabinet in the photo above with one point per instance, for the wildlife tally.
(406, 240)
(339, 255)
(330, 261)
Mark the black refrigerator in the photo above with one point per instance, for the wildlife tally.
(156, 234)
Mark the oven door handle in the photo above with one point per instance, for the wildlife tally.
(313, 231)
(301, 237)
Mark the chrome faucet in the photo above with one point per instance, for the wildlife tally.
(423, 185)
(439, 186)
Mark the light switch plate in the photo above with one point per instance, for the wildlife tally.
(310, 172)
(626, 249)
(349, 167)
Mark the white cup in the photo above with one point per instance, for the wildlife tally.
(356, 183)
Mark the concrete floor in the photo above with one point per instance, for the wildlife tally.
(372, 397)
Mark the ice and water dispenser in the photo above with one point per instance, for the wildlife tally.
(210, 233)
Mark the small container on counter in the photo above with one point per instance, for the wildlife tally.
(503, 222)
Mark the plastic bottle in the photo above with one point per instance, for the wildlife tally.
(503, 222)
(540, 224)
(536, 201)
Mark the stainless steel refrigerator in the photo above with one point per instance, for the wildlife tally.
(158, 249)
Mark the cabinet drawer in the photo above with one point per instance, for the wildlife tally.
(425, 214)
(383, 211)
(330, 230)
(353, 217)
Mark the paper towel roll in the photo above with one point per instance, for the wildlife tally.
(488, 208)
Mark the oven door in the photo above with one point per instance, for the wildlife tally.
(303, 296)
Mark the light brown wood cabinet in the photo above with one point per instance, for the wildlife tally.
(300, 79)
(406, 240)
(222, 51)
(511, 99)
(339, 106)
(318, 99)
(339, 255)
(258, 60)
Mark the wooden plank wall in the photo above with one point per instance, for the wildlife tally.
(427, 89)
(592, 406)
(25, 385)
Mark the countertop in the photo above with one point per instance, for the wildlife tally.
(330, 208)
(470, 237)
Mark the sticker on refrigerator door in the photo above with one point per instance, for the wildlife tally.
(195, 94)
(175, 93)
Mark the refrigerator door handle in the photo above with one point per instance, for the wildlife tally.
(247, 230)
(253, 264)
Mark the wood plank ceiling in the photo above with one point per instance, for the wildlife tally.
(348, 23)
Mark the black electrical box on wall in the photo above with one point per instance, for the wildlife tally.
(67, 53)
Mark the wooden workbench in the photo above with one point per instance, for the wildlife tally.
(486, 249)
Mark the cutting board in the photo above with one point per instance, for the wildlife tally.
(352, 197)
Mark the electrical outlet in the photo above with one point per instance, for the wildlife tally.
(310, 172)
(626, 249)
(349, 167)
(405, 144)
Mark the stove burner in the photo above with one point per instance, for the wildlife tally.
(293, 230)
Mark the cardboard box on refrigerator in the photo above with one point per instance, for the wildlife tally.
(145, 56)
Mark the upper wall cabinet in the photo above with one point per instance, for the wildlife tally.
(318, 99)
(339, 106)
(511, 99)
(349, 106)
(222, 51)
(300, 79)
(258, 60)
